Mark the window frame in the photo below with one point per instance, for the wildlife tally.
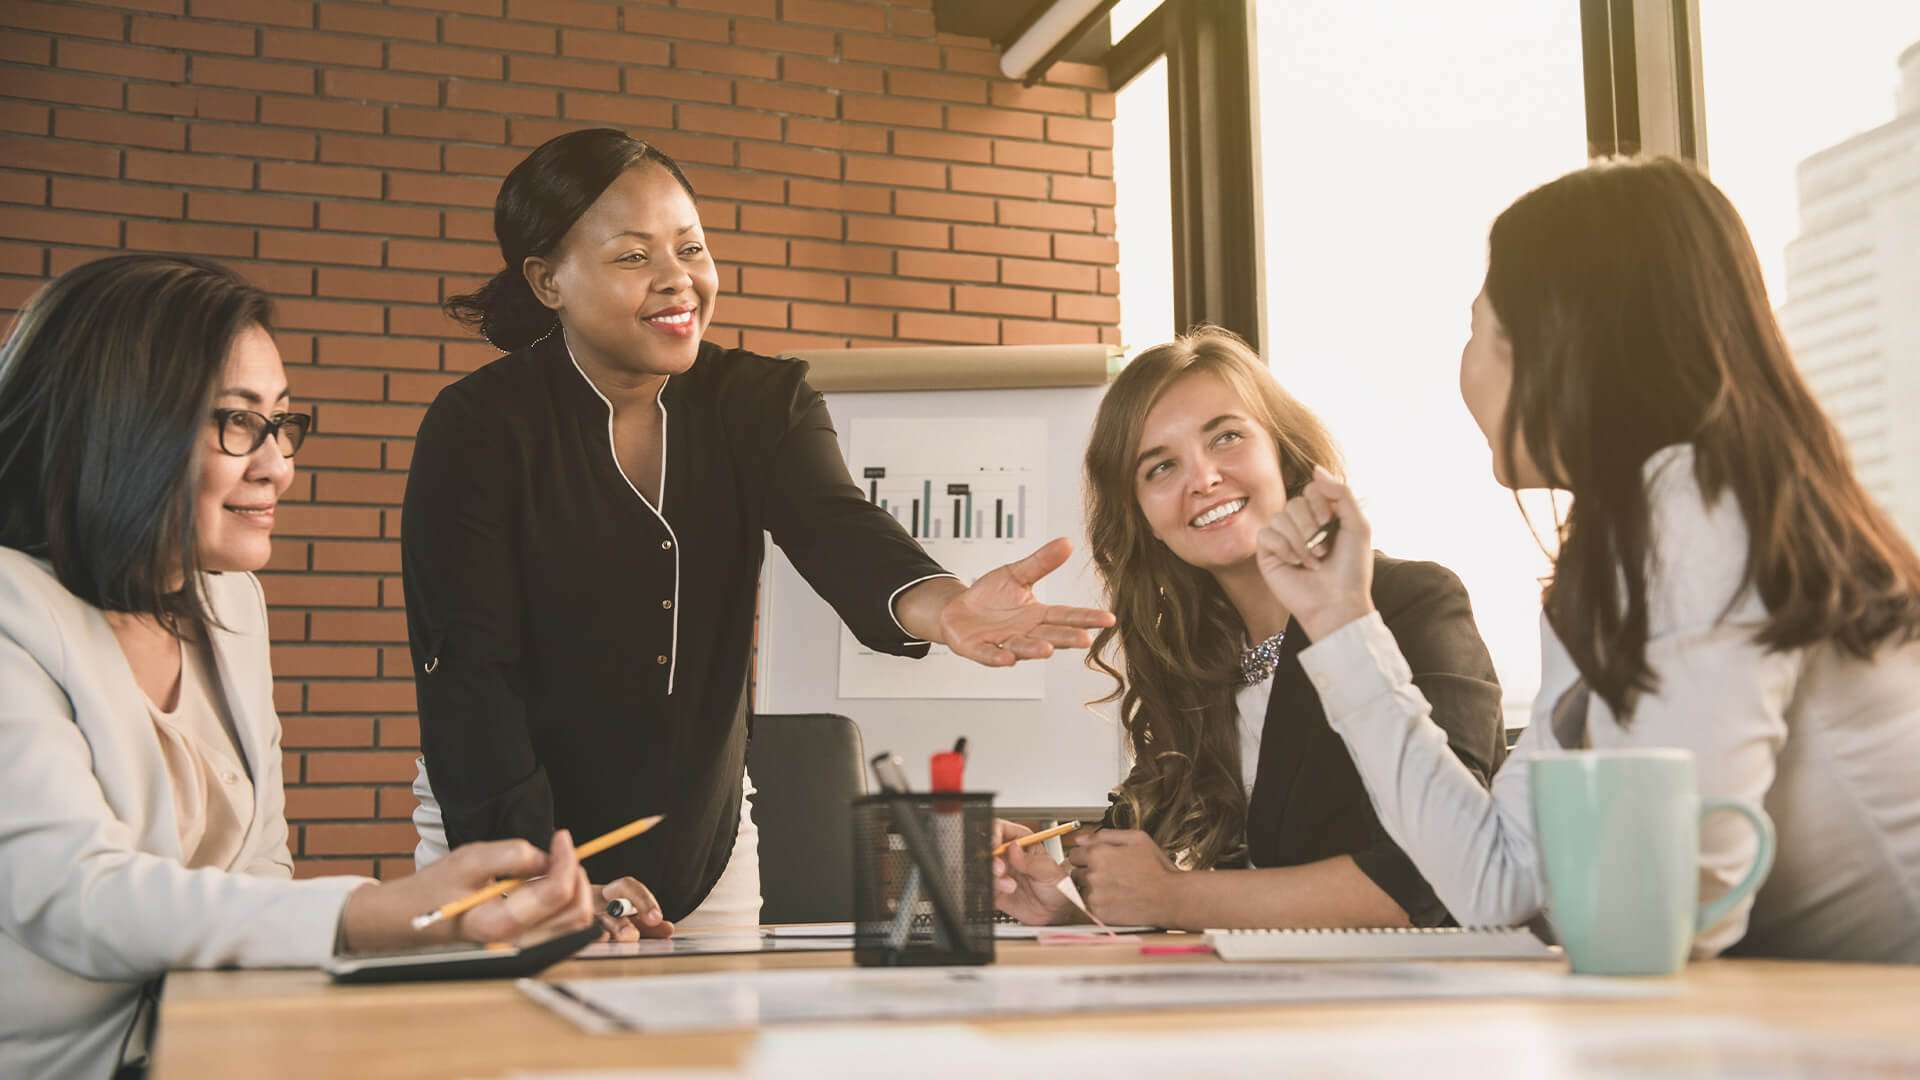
(1644, 95)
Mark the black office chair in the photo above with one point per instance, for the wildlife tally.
(808, 767)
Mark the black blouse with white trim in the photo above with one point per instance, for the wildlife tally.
(581, 660)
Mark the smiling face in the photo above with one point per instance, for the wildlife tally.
(233, 510)
(1486, 379)
(1206, 475)
(633, 281)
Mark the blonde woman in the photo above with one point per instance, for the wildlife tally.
(1195, 449)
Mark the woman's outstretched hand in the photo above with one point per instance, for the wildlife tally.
(998, 621)
(1326, 585)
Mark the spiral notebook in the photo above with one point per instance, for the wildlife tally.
(1390, 943)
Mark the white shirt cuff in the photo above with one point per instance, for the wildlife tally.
(316, 931)
(895, 598)
(1355, 666)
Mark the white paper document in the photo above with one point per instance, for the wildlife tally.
(1001, 931)
(1016, 932)
(1383, 943)
(697, 1002)
(812, 930)
(711, 943)
(1627, 1048)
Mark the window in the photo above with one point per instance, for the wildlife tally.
(1813, 130)
(1391, 135)
(1127, 14)
(1143, 217)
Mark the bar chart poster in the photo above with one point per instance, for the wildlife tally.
(972, 491)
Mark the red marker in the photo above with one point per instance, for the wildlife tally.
(948, 768)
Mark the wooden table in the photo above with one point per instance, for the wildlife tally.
(295, 1024)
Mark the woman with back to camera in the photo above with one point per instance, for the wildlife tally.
(145, 439)
(1195, 446)
(1724, 584)
(582, 541)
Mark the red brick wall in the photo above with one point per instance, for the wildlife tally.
(864, 180)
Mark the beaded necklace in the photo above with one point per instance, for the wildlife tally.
(1257, 663)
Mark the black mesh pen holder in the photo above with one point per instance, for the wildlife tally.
(902, 845)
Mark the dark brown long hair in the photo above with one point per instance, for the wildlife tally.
(1174, 649)
(1638, 320)
(106, 392)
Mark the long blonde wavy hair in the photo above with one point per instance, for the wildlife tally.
(1174, 649)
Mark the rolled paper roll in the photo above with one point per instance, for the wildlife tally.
(960, 367)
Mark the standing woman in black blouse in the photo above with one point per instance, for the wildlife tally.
(582, 540)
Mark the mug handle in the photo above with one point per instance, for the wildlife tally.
(1716, 910)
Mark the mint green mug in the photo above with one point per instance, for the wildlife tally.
(1619, 839)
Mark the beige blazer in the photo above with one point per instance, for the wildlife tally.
(94, 900)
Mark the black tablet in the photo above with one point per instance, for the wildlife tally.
(499, 961)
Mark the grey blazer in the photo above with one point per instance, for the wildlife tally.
(94, 900)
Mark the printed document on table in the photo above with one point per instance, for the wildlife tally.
(1593, 1048)
(1001, 931)
(697, 1002)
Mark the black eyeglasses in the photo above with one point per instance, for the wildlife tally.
(242, 431)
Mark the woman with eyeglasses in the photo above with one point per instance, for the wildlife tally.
(146, 437)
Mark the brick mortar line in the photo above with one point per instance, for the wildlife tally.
(320, 67)
(505, 21)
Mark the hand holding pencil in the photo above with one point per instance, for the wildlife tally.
(1035, 837)
(378, 917)
(1025, 877)
(505, 885)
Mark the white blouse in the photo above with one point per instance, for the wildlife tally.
(1250, 708)
(1829, 744)
(1250, 705)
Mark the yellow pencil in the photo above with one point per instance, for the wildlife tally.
(504, 885)
(1034, 838)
